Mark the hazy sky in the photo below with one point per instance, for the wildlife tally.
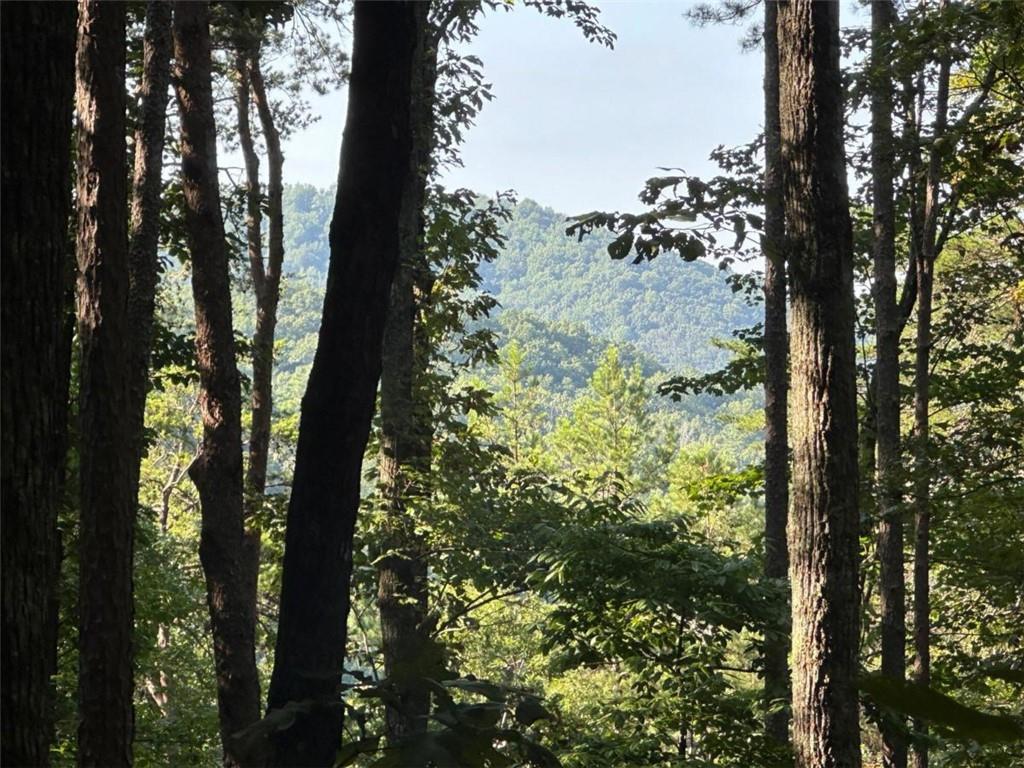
(577, 126)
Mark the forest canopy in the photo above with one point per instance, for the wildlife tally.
(397, 473)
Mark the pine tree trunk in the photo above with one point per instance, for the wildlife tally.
(37, 44)
(922, 381)
(376, 162)
(405, 441)
(887, 372)
(823, 529)
(217, 470)
(776, 386)
(107, 449)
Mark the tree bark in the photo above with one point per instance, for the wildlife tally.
(922, 381)
(267, 282)
(217, 469)
(823, 530)
(144, 223)
(37, 44)
(107, 448)
(776, 385)
(887, 377)
(376, 163)
(406, 439)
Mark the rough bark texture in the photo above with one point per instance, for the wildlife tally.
(107, 448)
(887, 385)
(339, 401)
(922, 380)
(144, 224)
(776, 385)
(406, 437)
(37, 44)
(217, 470)
(823, 525)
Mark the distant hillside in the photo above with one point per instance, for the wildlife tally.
(668, 310)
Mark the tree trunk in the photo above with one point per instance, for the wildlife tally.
(887, 377)
(406, 439)
(922, 380)
(776, 386)
(217, 469)
(107, 449)
(376, 162)
(823, 530)
(37, 44)
(268, 293)
(144, 225)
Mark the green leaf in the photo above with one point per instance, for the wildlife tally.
(924, 703)
(481, 687)
(530, 710)
(620, 247)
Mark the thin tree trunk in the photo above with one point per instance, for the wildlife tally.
(376, 162)
(37, 44)
(268, 293)
(823, 530)
(107, 449)
(922, 380)
(887, 377)
(144, 224)
(776, 386)
(217, 469)
(406, 439)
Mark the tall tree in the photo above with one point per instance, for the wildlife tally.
(406, 431)
(144, 223)
(823, 530)
(927, 252)
(887, 384)
(217, 469)
(265, 275)
(37, 43)
(376, 163)
(107, 448)
(776, 383)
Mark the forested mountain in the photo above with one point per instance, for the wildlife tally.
(667, 309)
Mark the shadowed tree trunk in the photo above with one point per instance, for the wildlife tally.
(376, 163)
(823, 529)
(217, 469)
(143, 264)
(406, 437)
(887, 373)
(268, 293)
(922, 380)
(107, 451)
(776, 386)
(37, 44)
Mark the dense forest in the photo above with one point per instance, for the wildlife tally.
(397, 475)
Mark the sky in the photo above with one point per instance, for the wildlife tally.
(576, 126)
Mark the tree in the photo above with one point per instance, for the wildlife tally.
(217, 469)
(107, 446)
(144, 222)
(266, 277)
(36, 38)
(823, 528)
(406, 431)
(888, 463)
(339, 401)
(776, 381)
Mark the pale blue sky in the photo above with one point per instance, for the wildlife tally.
(579, 127)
